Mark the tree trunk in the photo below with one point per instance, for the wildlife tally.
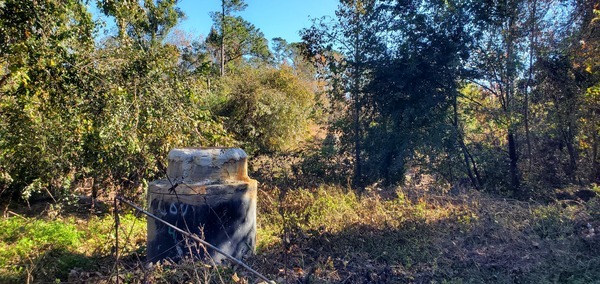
(357, 159)
(595, 164)
(357, 105)
(568, 137)
(222, 38)
(532, 43)
(510, 92)
(472, 173)
(513, 156)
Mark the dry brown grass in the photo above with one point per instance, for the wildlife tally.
(415, 236)
(332, 235)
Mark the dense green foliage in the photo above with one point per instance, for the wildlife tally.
(408, 102)
(42, 104)
(75, 109)
(499, 94)
(502, 95)
(260, 100)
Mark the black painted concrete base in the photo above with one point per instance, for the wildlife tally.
(222, 214)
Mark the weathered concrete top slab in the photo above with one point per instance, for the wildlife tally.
(207, 165)
(198, 193)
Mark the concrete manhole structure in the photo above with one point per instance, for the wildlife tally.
(208, 193)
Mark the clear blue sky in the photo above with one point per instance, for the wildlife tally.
(275, 18)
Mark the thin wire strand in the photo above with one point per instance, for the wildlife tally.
(116, 238)
(196, 238)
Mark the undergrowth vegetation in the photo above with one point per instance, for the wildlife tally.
(330, 235)
(45, 250)
(399, 142)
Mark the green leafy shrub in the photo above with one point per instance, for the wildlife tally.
(71, 110)
(22, 240)
(46, 250)
(551, 222)
(267, 109)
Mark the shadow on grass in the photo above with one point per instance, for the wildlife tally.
(485, 241)
(44, 208)
(486, 249)
(356, 254)
(64, 266)
(51, 266)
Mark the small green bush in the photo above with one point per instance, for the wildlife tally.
(22, 239)
(46, 250)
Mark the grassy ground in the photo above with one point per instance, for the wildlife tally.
(328, 235)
